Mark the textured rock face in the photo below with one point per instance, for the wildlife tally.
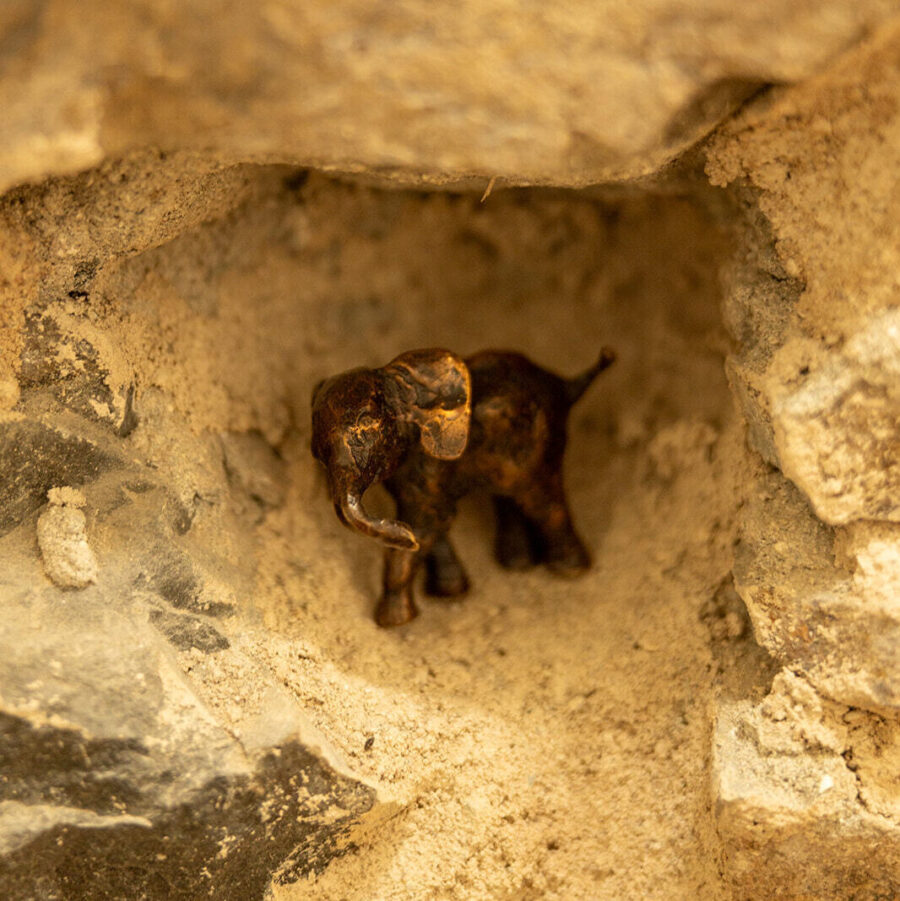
(485, 89)
(117, 741)
(193, 698)
(824, 600)
(814, 307)
(818, 372)
(837, 432)
(803, 809)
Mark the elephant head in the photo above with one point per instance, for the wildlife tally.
(366, 420)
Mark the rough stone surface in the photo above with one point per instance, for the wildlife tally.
(837, 430)
(817, 371)
(822, 602)
(490, 89)
(213, 711)
(116, 745)
(813, 307)
(254, 468)
(819, 365)
(802, 804)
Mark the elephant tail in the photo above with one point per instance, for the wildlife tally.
(577, 386)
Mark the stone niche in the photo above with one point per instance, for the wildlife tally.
(210, 212)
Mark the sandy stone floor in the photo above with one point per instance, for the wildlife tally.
(543, 739)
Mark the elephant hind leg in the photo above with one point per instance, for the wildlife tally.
(518, 543)
(545, 506)
(445, 576)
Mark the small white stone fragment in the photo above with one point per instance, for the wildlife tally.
(62, 538)
(66, 497)
(826, 783)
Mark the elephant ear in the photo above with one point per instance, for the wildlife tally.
(433, 389)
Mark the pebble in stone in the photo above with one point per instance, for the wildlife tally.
(62, 538)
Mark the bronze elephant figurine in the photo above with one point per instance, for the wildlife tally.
(434, 427)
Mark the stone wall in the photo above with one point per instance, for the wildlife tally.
(484, 90)
(819, 556)
(208, 211)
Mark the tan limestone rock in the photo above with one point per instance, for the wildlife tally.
(801, 802)
(837, 421)
(528, 93)
(837, 621)
(818, 374)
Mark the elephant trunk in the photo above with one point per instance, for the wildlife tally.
(351, 512)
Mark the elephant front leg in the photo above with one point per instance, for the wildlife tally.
(444, 577)
(397, 605)
(422, 504)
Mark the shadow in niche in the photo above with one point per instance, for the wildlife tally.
(587, 699)
(556, 275)
(744, 669)
(713, 104)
